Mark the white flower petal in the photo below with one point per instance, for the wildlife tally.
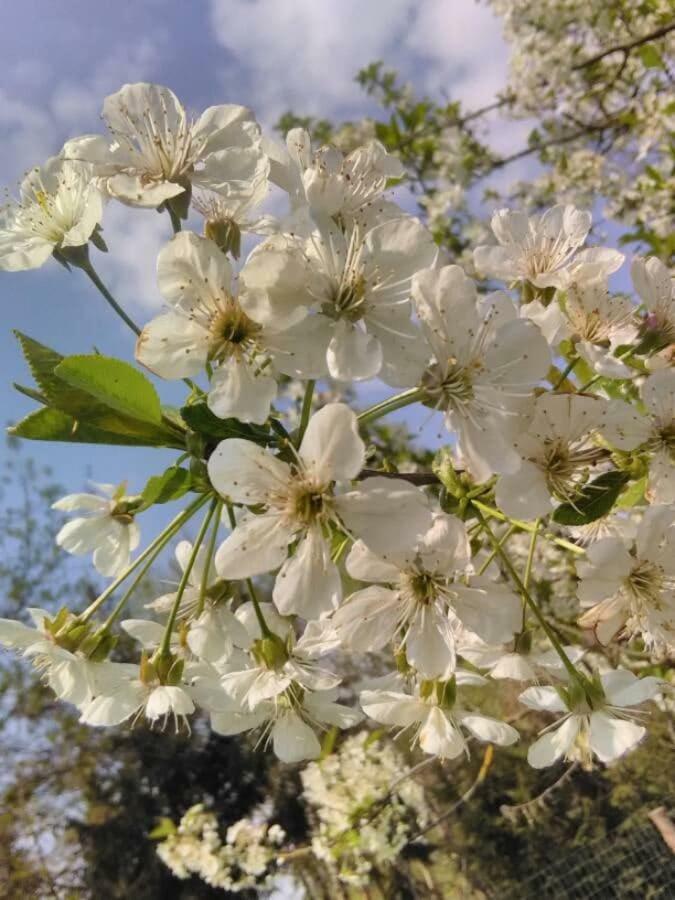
(610, 737)
(258, 544)
(244, 472)
(331, 446)
(554, 744)
(308, 583)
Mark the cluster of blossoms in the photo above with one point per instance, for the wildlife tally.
(365, 806)
(582, 69)
(348, 287)
(245, 860)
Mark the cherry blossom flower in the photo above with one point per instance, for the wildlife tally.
(603, 726)
(439, 724)
(155, 152)
(328, 183)
(69, 674)
(277, 661)
(107, 527)
(427, 606)
(125, 691)
(59, 207)
(557, 454)
(544, 250)
(298, 503)
(598, 323)
(632, 588)
(289, 721)
(628, 429)
(208, 324)
(357, 287)
(227, 218)
(654, 284)
(519, 664)
(486, 362)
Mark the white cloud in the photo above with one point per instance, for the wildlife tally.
(66, 106)
(134, 238)
(304, 55)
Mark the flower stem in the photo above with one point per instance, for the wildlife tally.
(621, 357)
(209, 557)
(530, 555)
(175, 219)
(132, 587)
(157, 544)
(502, 541)
(306, 410)
(264, 627)
(566, 371)
(531, 602)
(164, 647)
(93, 276)
(398, 401)
(527, 526)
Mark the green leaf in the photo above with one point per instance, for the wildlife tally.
(30, 392)
(163, 829)
(115, 383)
(595, 500)
(49, 424)
(42, 361)
(170, 485)
(633, 494)
(199, 418)
(650, 56)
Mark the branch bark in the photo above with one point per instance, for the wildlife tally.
(628, 46)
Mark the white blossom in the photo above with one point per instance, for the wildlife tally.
(654, 432)
(544, 250)
(69, 674)
(439, 729)
(654, 284)
(486, 362)
(428, 604)
(59, 207)
(325, 182)
(156, 152)
(106, 527)
(557, 452)
(604, 727)
(355, 287)
(632, 588)
(125, 691)
(299, 502)
(208, 324)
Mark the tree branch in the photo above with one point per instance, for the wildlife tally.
(627, 47)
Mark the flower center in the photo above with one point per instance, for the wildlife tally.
(419, 586)
(230, 331)
(645, 583)
(305, 502)
(566, 469)
(347, 300)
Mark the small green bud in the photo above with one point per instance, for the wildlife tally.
(226, 234)
(447, 692)
(270, 651)
(426, 689)
(523, 643)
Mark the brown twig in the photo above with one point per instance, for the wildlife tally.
(628, 46)
(488, 756)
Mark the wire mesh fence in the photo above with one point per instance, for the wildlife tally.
(634, 864)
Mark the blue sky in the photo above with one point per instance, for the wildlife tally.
(59, 62)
